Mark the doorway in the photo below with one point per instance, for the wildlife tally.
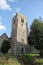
(22, 50)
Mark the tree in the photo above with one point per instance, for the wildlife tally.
(5, 46)
(36, 35)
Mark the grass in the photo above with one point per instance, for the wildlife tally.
(40, 60)
(8, 60)
(31, 54)
(28, 59)
(32, 59)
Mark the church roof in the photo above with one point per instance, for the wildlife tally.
(4, 34)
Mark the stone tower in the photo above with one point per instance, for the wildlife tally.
(19, 34)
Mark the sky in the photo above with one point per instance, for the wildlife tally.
(8, 8)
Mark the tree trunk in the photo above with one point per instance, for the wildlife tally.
(41, 52)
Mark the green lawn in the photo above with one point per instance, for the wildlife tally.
(32, 59)
(39, 60)
(28, 59)
(31, 54)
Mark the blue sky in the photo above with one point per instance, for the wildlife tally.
(30, 8)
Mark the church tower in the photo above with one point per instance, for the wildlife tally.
(19, 34)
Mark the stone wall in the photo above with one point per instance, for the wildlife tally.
(19, 34)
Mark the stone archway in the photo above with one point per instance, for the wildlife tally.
(22, 50)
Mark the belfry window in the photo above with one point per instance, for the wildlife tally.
(22, 20)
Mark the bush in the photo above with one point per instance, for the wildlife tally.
(5, 46)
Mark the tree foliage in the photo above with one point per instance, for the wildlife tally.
(36, 35)
(5, 46)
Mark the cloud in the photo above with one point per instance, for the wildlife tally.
(0, 17)
(2, 27)
(4, 5)
(14, 1)
(18, 9)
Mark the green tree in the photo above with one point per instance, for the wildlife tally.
(36, 35)
(5, 46)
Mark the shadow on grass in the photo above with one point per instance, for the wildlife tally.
(29, 59)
